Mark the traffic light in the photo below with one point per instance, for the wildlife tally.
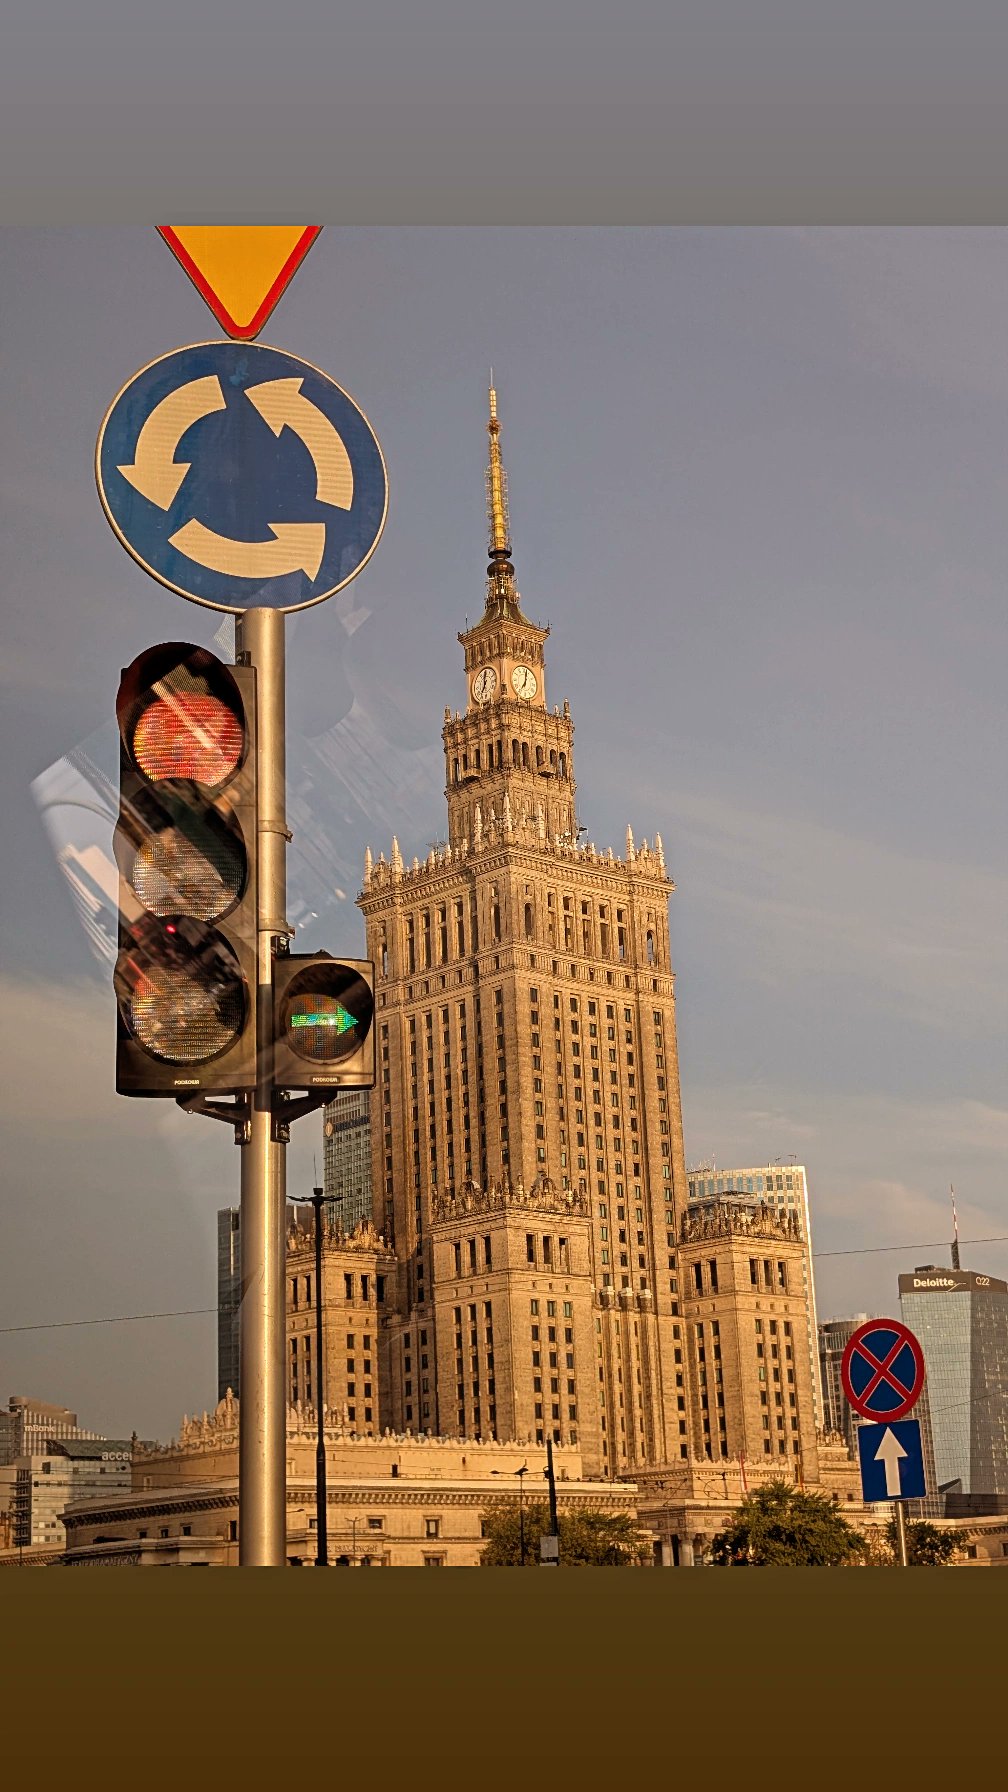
(185, 843)
(323, 1022)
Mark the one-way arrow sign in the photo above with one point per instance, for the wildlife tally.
(892, 1461)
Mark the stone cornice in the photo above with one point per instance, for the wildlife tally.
(543, 1196)
(729, 1219)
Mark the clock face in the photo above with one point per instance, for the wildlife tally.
(524, 681)
(484, 685)
(329, 1129)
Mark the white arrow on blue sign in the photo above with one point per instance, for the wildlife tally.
(891, 1458)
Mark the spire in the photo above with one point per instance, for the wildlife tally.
(368, 866)
(496, 481)
(502, 598)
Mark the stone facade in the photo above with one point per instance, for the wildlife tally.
(392, 1501)
(746, 1335)
(357, 1270)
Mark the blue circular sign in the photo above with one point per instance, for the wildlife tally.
(242, 477)
(882, 1369)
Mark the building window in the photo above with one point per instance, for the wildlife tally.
(432, 1527)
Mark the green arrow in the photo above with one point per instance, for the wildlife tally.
(341, 1020)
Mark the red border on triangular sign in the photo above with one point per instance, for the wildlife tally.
(241, 332)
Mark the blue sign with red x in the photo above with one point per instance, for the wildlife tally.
(882, 1370)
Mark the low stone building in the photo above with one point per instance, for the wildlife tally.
(392, 1501)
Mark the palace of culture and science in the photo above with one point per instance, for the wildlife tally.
(535, 1268)
(546, 1276)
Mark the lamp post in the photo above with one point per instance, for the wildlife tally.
(322, 1539)
(521, 1473)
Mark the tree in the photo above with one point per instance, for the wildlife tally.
(927, 1546)
(589, 1537)
(782, 1526)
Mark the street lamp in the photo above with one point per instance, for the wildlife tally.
(521, 1473)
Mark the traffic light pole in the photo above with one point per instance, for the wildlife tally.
(262, 1430)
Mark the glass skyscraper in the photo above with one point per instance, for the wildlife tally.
(961, 1320)
(346, 1134)
(228, 1297)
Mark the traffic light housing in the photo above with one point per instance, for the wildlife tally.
(323, 1023)
(186, 846)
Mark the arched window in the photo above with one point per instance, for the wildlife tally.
(563, 765)
(650, 947)
(528, 920)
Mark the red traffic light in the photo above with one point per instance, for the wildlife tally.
(185, 845)
(181, 715)
(188, 734)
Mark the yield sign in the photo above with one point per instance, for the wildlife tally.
(240, 269)
(882, 1370)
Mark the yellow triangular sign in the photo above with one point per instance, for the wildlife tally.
(240, 269)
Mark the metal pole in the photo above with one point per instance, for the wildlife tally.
(321, 1527)
(262, 1428)
(901, 1536)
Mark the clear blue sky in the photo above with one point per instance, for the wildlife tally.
(757, 490)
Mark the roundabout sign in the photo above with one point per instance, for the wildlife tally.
(242, 477)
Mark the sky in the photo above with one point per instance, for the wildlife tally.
(757, 486)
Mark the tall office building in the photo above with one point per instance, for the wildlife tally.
(346, 1136)
(784, 1189)
(28, 1426)
(961, 1320)
(834, 1336)
(228, 1298)
(67, 1469)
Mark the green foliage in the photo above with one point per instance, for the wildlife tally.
(927, 1546)
(780, 1526)
(589, 1538)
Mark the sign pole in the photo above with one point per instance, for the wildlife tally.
(901, 1536)
(262, 1413)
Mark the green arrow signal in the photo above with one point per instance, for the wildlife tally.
(340, 1019)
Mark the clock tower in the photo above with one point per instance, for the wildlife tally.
(509, 763)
